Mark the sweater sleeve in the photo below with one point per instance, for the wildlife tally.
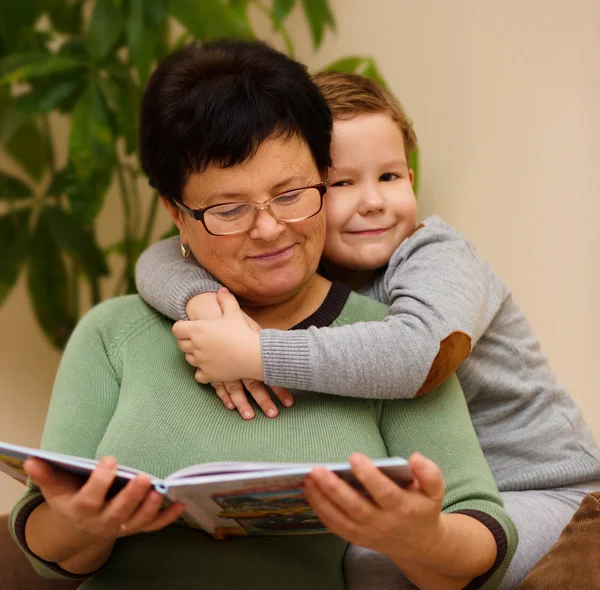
(438, 426)
(442, 298)
(167, 281)
(84, 397)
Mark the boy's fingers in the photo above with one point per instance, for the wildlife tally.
(185, 345)
(262, 397)
(223, 395)
(227, 301)
(384, 492)
(239, 399)
(283, 395)
(428, 475)
(182, 330)
(94, 490)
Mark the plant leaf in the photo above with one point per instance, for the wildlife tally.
(17, 29)
(29, 148)
(125, 99)
(39, 101)
(106, 26)
(210, 19)
(143, 20)
(13, 248)
(372, 71)
(47, 280)
(12, 188)
(91, 141)
(86, 197)
(345, 64)
(27, 66)
(66, 17)
(79, 242)
(282, 9)
(319, 17)
(174, 231)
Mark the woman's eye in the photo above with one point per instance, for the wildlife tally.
(340, 183)
(388, 177)
(231, 212)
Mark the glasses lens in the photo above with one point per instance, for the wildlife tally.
(229, 218)
(297, 205)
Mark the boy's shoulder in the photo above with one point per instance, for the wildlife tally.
(360, 308)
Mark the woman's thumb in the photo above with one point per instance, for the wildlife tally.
(428, 476)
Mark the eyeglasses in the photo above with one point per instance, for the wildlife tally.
(227, 219)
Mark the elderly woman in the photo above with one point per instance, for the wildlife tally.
(235, 137)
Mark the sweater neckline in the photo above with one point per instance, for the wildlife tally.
(329, 310)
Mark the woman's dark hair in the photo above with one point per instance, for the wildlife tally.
(215, 104)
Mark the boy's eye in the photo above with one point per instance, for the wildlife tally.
(388, 176)
(340, 183)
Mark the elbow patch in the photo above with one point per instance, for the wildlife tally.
(454, 349)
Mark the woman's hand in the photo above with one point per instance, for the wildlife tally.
(84, 510)
(232, 364)
(403, 524)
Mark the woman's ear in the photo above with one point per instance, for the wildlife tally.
(176, 215)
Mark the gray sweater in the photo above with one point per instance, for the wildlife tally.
(448, 312)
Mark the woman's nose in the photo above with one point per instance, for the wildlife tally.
(266, 227)
(371, 201)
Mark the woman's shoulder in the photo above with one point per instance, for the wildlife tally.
(360, 308)
(117, 318)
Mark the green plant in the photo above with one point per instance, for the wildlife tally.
(89, 60)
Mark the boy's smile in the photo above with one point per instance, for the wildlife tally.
(370, 203)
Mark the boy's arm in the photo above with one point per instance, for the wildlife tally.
(167, 281)
(442, 298)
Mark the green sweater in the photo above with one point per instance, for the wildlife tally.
(123, 388)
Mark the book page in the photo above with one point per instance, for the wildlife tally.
(263, 503)
(12, 458)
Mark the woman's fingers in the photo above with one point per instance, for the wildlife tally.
(345, 498)
(165, 517)
(428, 476)
(121, 508)
(92, 495)
(262, 397)
(51, 482)
(223, 395)
(145, 514)
(283, 395)
(384, 492)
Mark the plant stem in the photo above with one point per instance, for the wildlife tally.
(278, 28)
(151, 219)
(128, 278)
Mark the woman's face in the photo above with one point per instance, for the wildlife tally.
(272, 261)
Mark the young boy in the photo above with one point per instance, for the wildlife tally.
(448, 312)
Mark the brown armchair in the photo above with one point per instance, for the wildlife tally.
(16, 572)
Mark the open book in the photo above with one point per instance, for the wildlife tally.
(224, 499)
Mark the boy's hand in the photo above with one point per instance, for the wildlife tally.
(226, 351)
(233, 395)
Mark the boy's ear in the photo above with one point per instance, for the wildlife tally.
(411, 176)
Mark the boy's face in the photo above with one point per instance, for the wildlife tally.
(370, 203)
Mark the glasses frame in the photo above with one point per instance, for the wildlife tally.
(198, 214)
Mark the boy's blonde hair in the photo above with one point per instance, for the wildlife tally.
(349, 95)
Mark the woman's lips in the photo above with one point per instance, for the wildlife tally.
(275, 256)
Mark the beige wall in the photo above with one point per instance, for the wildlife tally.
(505, 99)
